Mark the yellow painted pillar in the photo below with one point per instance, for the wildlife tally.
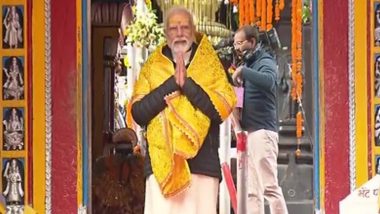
(38, 35)
(321, 133)
(361, 94)
(79, 103)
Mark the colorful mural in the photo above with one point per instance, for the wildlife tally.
(15, 106)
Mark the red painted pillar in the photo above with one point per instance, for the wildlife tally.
(336, 95)
(64, 106)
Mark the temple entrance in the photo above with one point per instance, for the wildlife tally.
(117, 180)
(108, 77)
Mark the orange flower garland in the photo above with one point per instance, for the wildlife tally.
(251, 10)
(277, 10)
(282, 4)
(241, 11)
(299, 122)
(263, 15)
(234, 2)
(259, 12)
(297, 78)
(246, 11)
(258, 8)
(269, 15)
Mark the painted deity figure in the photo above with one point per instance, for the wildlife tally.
(377, 25)
(13, 191)
(15, 209)
(377, 76)
(14, 131)
(377, 127)
(13, 28)
(14, 85)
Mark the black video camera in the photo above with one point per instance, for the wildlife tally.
(270, 39)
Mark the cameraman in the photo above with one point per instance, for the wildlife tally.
(258, 74)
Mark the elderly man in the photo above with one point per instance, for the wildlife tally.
(181, 97)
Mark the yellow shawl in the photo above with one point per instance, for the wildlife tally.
(178, 132)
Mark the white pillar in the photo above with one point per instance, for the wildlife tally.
(130, 72)
(140, 5)
(225, 157)
(137, 57)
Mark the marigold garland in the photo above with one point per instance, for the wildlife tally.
(259, 12)
(297, 78)
(263, 25)
(282, 4)
(299, 124)
(258, 8)
(277, 10)
(269, 14)
(251, 9)
(234, 2)
(242, 9)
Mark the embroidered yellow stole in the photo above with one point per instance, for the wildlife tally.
(178, 132)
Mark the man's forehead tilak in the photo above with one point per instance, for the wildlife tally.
(179, 19)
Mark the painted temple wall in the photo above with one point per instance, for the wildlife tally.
(66, 104)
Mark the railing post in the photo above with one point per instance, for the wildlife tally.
(225, 157)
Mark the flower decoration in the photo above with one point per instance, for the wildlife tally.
(144, 31)
(126, 62)
(306, 13)
(148, 4)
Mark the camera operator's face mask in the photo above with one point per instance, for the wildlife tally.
(241, 44)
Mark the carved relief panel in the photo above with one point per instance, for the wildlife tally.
(14, 105)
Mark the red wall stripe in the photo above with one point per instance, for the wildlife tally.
(64, 94)
(335, 53)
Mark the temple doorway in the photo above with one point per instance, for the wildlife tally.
(296, 170)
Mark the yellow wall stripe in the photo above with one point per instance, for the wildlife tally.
(38, 33)
(322, 108)
(361, 92)
(79, 103)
